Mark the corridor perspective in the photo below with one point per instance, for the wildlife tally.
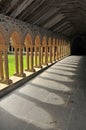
(53, 100)
(42, 64)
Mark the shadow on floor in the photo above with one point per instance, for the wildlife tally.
(51, 101)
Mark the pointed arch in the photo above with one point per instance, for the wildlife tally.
(28, 40)
(44, 41)
(49, 41)
(37, 40)
(15, 39)
(2, 41)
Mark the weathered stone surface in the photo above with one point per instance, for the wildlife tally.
(54, 100)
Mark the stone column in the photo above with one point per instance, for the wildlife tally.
(63, 48)
(57, 52)
(66, 49)
(1, 67)
(27, 58)
(46, 55)
(35, 56)
(69, 49)
(40, 57)
(6, 69)
(31, 56)
(21, 62)
(16, 62)
(54, 52)
(60, 50)
(50, 54)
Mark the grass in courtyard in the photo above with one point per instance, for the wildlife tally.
(11, 63)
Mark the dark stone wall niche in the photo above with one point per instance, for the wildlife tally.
(78, 45)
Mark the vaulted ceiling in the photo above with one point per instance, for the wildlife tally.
(67, 17)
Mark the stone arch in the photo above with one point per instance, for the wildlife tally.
(37, 40)
(16, 42)
(15, 39)
(53, 41)
(44, 41)
(57, 49)
(60, 46)
(29, 52)
(2, 45)
(53, 49)
(44, 56)
(49, 41)
(4, 32)
(2, 41)
(37, 47)
(4, 69)
(49, 49)
(28, 40)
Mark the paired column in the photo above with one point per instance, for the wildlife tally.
(27, 59)
(50, 53)
(22, 74)
(16, 62)
(42, 55)
(60, 50)
(1, 67)
(31, 56)
(46, 55)
(38, 56)
(54, 52)
(19, 61)
(35, 56)
(6, 69)
(57, 54)
(40, 66)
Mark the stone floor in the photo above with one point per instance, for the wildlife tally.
(54, 100)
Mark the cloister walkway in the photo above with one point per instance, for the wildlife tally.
(54, 100)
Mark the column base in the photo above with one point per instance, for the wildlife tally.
(22, 75)
(7, 81)
(59, 59)
(46, 64)
(38, 66)
(51, 62)
(16, 74)
(1, 79)
(30, 70)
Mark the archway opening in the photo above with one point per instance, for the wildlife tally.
(53, 49)
(37, 56)
(44, 51)
(78, 46)
(29, 52)
(2, 57)
(50, 50)
(13, 56)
